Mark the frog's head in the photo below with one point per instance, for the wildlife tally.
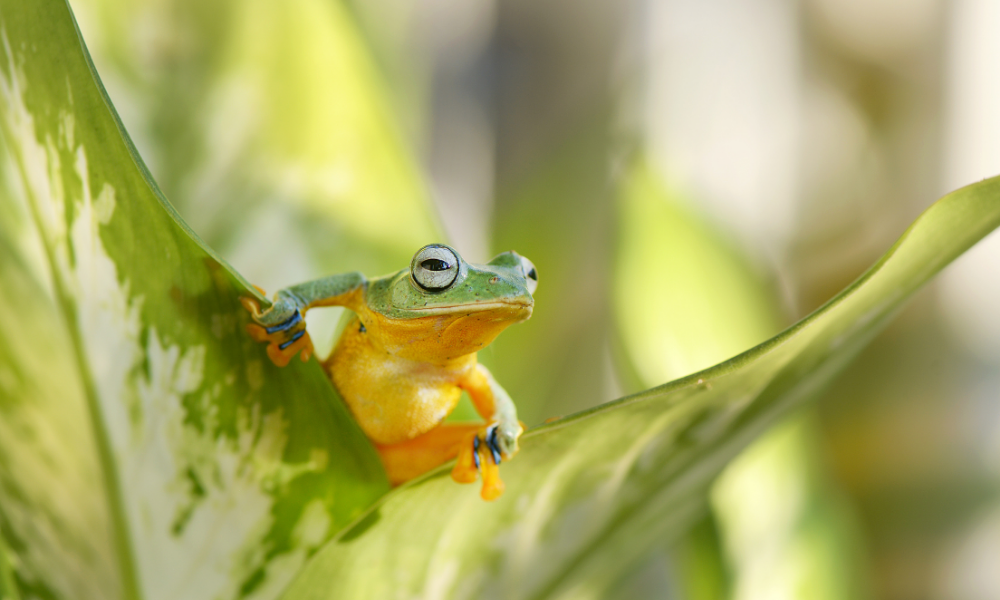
(444, 307)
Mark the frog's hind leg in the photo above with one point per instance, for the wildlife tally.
(412, 458)
(473, 444)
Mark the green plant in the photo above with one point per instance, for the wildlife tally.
(147, 449)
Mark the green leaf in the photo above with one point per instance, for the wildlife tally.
(590, 494)
(148, 449)
(685, 299)
(560, 214)
(777, 495)
(265, 124)
(266, 120)
(674, 320)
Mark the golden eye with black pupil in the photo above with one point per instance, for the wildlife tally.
(434, 267)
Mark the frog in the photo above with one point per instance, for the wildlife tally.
(408, 350)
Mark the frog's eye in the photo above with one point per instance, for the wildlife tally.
(434, 267)
(530, 274)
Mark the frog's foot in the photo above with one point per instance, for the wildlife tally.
(482, 452)
(284, 339)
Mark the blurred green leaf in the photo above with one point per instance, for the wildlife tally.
(685, 299)
(296, 80)
(266, 121)
(266, 125)
(561, 216)
(7, 587)
(590, 494)
(787, 530)
(148, 449)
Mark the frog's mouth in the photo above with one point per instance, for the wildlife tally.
(495, 305)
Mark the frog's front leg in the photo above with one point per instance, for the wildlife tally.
(489, 445)
(283, 325)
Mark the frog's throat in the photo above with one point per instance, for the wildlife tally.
(441, 337)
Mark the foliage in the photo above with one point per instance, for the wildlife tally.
(147, 448)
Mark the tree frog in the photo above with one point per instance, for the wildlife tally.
(409, 350)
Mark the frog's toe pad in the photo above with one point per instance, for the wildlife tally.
(492, 484)
(281, 353)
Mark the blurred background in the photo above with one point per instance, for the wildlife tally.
(689, 177)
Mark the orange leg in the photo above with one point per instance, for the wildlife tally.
(409, 459)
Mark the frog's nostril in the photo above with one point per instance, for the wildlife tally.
(494, 279)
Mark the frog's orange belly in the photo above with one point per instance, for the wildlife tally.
(393, 400)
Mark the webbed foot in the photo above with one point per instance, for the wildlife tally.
(482, 453)
(285, 337)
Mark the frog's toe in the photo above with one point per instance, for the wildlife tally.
(251, 305)
(492, 484)
(481, 454)
(257, 332)
(467, 466)
(281, 353)
(307, 349)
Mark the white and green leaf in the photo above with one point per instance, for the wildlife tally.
(149, 449)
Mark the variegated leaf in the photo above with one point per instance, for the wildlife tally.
(148, 449)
